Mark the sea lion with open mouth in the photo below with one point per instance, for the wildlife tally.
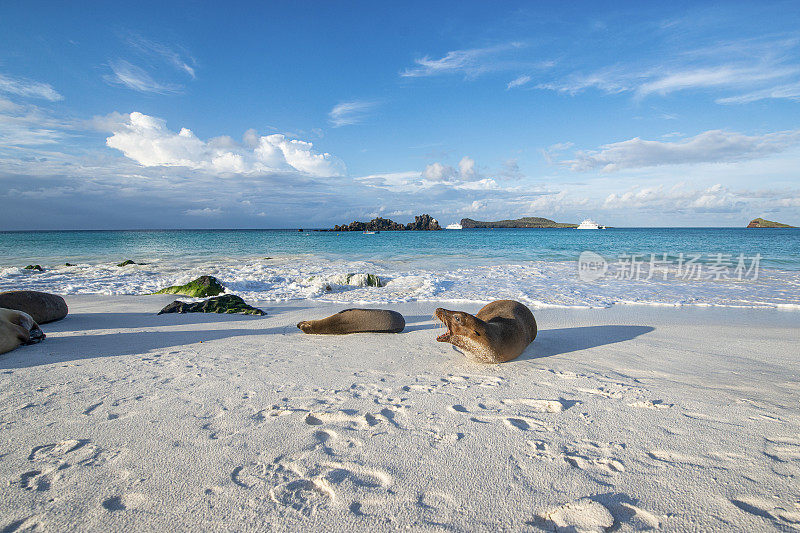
(499, 332)
(356, 321)
(17, 327)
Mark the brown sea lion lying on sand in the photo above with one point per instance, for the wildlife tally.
(356, 321)
(17, 328)
(499, 332)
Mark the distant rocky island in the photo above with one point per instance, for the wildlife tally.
(761, 223)
(524, 222)
(421, 223)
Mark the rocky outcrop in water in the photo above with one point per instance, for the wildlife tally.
(37, 268)
(421, 223)
(227, 303)
(202, 287)
(129, 262)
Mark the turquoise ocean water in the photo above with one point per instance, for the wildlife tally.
(539, 266)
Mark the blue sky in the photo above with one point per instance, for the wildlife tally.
(317, 113)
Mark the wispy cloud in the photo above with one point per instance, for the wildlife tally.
(136, 78)
(28, 88)
(789, 92)
(151, 54)
(722, 76)
(519, 82)
(349, 113)
(744, 71)
(471, 62)
(714, 146)
(164, 52)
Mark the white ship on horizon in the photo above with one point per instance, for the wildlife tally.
(589, 224)
(454, 226)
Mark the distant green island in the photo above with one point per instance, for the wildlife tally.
(761, 223)
(524, 222)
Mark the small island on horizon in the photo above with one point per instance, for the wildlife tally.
(762, 223)
(524, 222)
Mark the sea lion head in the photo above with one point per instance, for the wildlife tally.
(305, 326)
(25, 321)
(460, 326)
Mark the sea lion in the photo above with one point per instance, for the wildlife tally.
(356, 321)
(499, 332)
(17, 328)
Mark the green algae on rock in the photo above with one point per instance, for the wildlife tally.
(202, 287)
(227, 303)
(37, 268)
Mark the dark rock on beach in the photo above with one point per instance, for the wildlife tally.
(129, 262)
(37, 268)
(42, 307)
(227, 303)
(202, 287)
(70, 264)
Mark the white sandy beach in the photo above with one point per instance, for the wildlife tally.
(628, 418)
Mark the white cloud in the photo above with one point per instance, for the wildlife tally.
(149, 142)
(678, 198)
(435, 175)
(472, 62)
(133, 77)
(519, 82)
(348, 113)
(714, 146)
(28, 88)
(204, 212)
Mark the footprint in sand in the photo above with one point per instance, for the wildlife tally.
(304, 486)
(769, 509)
(334, 445)
(654, 404)
(347, 418)
(589, 456)
(782, 450)
(54, 462)
(126, 501)
(582, 515)
(604, 465)
(542, 406)
(517, 422)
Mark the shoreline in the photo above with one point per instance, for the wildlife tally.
(122, 418)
